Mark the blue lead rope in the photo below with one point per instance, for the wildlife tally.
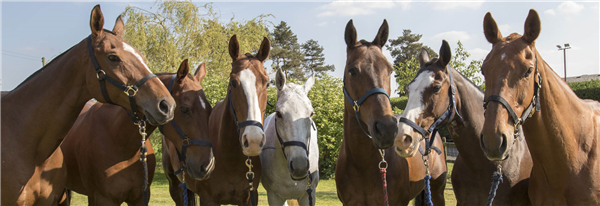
(428, 191)
(496, 180)
(185, 193)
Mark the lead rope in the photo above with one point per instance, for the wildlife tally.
(309, 189)
(427, 180)
(250, 177)
(383, 170)
(496, 180)
(144, 160)
(185, 189)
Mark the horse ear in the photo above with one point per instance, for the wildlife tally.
(423, 56)
(119, 26)
(490, 29)
(309, 83)
(279, 79)
(350, 34)
(445, 54)
(533, 26)
(200, 72)
(382, 34)
(263, 51)
(184, 70)
(234, 47)
(96, 21)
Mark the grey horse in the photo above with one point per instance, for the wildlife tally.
(285, 172)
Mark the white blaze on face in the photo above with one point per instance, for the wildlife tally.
(503, 56)
(248, 81)
(131, 50)
(202, 102)
(415, 106)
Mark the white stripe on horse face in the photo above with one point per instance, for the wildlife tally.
(202, 102)
(503, 56)
(248, 81)
(415, 106)
(131, 50)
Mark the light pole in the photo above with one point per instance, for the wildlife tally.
(567, 46)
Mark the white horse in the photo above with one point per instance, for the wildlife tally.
(288, 162)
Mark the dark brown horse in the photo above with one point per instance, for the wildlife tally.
(102, 149)
(429, 101)
(358, 178)
(37, 114)
(235, 129)
(561, 130)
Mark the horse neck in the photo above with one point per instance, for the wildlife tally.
(46, 105)
(466, 131)
(126, 135)
(556, 133)
(359, 147)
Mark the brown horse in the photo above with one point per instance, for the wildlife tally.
(429, 101)
(358, 179)
(235, 130)
(102, 149)
(37, 114)
(562, 133)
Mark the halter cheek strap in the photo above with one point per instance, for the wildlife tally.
(130, 91)
(356, 104)
(244, 123)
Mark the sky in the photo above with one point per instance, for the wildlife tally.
(32, 30)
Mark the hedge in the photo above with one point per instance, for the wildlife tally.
(587, 90)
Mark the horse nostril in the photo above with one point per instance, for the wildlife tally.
(407, 139)
(481, 142)
(377, 127)
(164, 106)
(261, 143)
(503, 145)
(292, 165)
(395, 120)
(246, 143)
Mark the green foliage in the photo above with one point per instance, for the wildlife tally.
(405, 73)
(399, 104)
(407, 46)
(287, 53)
(314, 59)
(472, 70)
(587, 90)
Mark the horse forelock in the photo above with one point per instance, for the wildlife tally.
(292, 93)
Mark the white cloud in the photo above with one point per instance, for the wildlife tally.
(505, 29)
(453, 4)
(353, 8)
(550, 12)
(452, 36)
(570, 7)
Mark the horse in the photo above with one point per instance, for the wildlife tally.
(40, 111)
(561, 130)
(290, 158)
(102, 149)
(236, 132)
(358, 179)
(430, 96)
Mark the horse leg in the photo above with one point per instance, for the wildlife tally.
(274, 199)
(66, 198)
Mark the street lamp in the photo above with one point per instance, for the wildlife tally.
(567, 46)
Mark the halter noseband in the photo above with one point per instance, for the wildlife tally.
(448, 115)
(528, 112)
(186, 141)
(130, 91)
(285, 144)
(356, 104)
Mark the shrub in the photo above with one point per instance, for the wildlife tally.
(587, 90)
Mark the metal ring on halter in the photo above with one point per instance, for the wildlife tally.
(103, 74)
(248, 174)
(131, 88)
(499, 169)
(356, 106)
(383, 162)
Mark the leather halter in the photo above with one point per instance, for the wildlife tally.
(244, 123)
(356, 104)
(528, 112)
(285, 144)
(130, 91)
(448, 115)
(186, 141)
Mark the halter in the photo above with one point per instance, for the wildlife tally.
(527, 113)
(448, 115)
(130, 91)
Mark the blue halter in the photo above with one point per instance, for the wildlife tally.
(356, 104)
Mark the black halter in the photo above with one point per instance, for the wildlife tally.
(285, 144)
(130, 91)
(244, 123)
(528, 112)
(448, 115)
(356, 104)
(186, 141)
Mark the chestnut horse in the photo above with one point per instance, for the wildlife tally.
(429, 101)
(37, 114)
(102, 149)
(562, 133)
(235, 130)
(358, 178)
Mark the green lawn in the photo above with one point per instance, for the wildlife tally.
(326, 193)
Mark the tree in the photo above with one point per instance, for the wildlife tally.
(405, 72)
(314, 59)
(286, 52)
(407, 46)
(472, 70)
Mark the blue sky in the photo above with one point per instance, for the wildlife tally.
(31, 30)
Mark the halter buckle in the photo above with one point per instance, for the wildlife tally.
(186, 141)
(356, 106)
(103, 74)
(132, 89)
(517, 125)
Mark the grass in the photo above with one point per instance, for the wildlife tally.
(326, 192)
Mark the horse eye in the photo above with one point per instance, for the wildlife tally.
(278, 114)
(529, 71)
(233, 83)
(436, 88)
(114, 58)
(185, 110)
(353, 71)
(311, 114)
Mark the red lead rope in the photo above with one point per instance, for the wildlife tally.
(383, 170)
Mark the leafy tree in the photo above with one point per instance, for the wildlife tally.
(407, 46)
(314, 59)
(471, 70)
(286, 53)
(405, 72)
